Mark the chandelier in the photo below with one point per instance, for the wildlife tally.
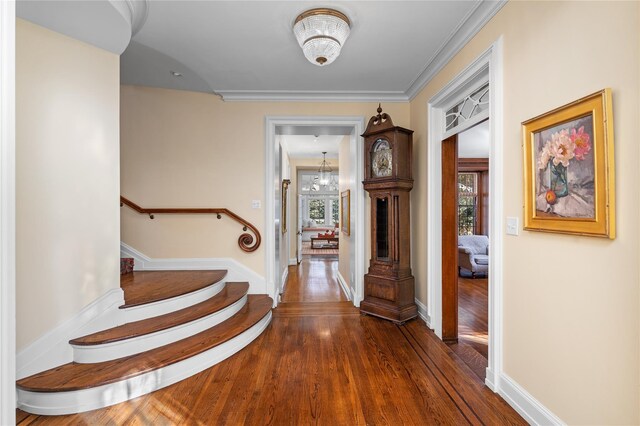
(324, 172)
(321, 33)
(325, 179)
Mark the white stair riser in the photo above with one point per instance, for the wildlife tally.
(86, 354)
(59, 403)
(149, 310)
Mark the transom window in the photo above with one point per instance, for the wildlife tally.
(309, 183)
(470, 110)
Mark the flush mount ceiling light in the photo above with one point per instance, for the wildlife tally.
(321, 33)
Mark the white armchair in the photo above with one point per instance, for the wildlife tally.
(473, 254)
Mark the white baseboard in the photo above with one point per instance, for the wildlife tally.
(293, 261)
(526, 405)
(53, 349)
(490, 379)
(237, 271)
(283, 279)
(345, 287)
(423, 313)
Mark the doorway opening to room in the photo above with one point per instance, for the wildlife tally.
(472, 97)
(314, 232)
(465, 220)
(318, 212)
(314, 257)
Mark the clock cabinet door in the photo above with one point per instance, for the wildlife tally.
(382, 229)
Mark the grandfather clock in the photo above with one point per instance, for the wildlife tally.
(389, 287)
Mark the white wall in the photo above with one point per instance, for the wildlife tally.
(67, 177)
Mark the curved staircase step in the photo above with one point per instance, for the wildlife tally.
(144, 287)
(154, 293)
(75, 387)
(147, 334)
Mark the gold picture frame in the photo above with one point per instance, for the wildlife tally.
(345, 212)
(569, 169)
(284, 190)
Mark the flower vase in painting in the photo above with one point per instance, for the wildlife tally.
(565, 178)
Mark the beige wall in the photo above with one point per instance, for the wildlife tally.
(344, 263)
(67, 178)
(571, 304)
(185, 149)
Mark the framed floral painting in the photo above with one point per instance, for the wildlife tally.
(569, 169)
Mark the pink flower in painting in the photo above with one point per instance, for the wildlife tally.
(562, 148)
(581, 140)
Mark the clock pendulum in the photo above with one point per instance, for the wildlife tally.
(389, 287)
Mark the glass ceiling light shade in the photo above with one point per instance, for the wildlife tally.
(321, 33)
(324, 171)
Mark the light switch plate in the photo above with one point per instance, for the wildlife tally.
(512, 226)
(255, 204)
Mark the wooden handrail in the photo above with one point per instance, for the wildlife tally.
(246, 241)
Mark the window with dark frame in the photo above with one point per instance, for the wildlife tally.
(316, 210)
(467, 203)
(335, 212)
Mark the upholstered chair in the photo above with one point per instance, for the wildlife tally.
(473, 254)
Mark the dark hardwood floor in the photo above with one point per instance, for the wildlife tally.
(314, 280)
(320, 363)
(473, 328)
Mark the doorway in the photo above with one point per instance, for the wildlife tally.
(351, 278)
(465, 244)
(318, 209)
(319, 253)
(450, 112)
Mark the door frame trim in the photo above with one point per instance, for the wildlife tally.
(358, 201)
(489, 62)
(7, 214)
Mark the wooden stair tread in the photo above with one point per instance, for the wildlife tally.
(74, 376)
(144, 287)
(231, 293)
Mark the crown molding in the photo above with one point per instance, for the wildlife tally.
(468, 28)
(459, 37)
(311, 96)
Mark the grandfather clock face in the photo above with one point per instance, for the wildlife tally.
(381, 158)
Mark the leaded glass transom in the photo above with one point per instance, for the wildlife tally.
(471, 106)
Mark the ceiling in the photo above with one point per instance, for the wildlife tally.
(246, 50)
(310, 146)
